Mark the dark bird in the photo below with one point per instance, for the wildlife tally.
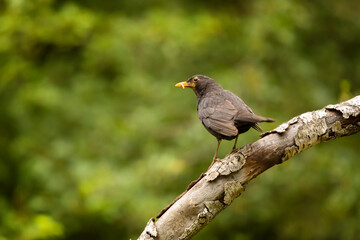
(222, 113)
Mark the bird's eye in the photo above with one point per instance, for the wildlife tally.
(195, 79)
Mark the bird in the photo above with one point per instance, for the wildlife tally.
(222, 113)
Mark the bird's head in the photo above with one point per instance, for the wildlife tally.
(199, 83)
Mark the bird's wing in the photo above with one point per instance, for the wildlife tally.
(218, 115)
(239, 104)
(245, 113)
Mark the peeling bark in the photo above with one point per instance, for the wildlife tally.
(150, 231)
(227, 178)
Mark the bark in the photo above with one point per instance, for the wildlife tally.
(227, 178)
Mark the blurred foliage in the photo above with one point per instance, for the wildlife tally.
(95, 139)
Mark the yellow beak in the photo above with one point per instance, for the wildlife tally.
(185, 84)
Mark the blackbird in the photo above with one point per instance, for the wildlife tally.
(222, 113)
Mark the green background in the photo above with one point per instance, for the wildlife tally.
(95, 139)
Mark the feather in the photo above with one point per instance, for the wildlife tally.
(257, 127)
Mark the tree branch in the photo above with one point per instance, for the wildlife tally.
(227, 178)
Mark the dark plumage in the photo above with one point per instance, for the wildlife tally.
(222, 113)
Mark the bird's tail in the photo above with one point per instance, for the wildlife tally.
(256, 126)
(264, 119)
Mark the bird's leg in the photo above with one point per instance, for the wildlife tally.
(234, 147)
(217, 148)
(215, 156)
